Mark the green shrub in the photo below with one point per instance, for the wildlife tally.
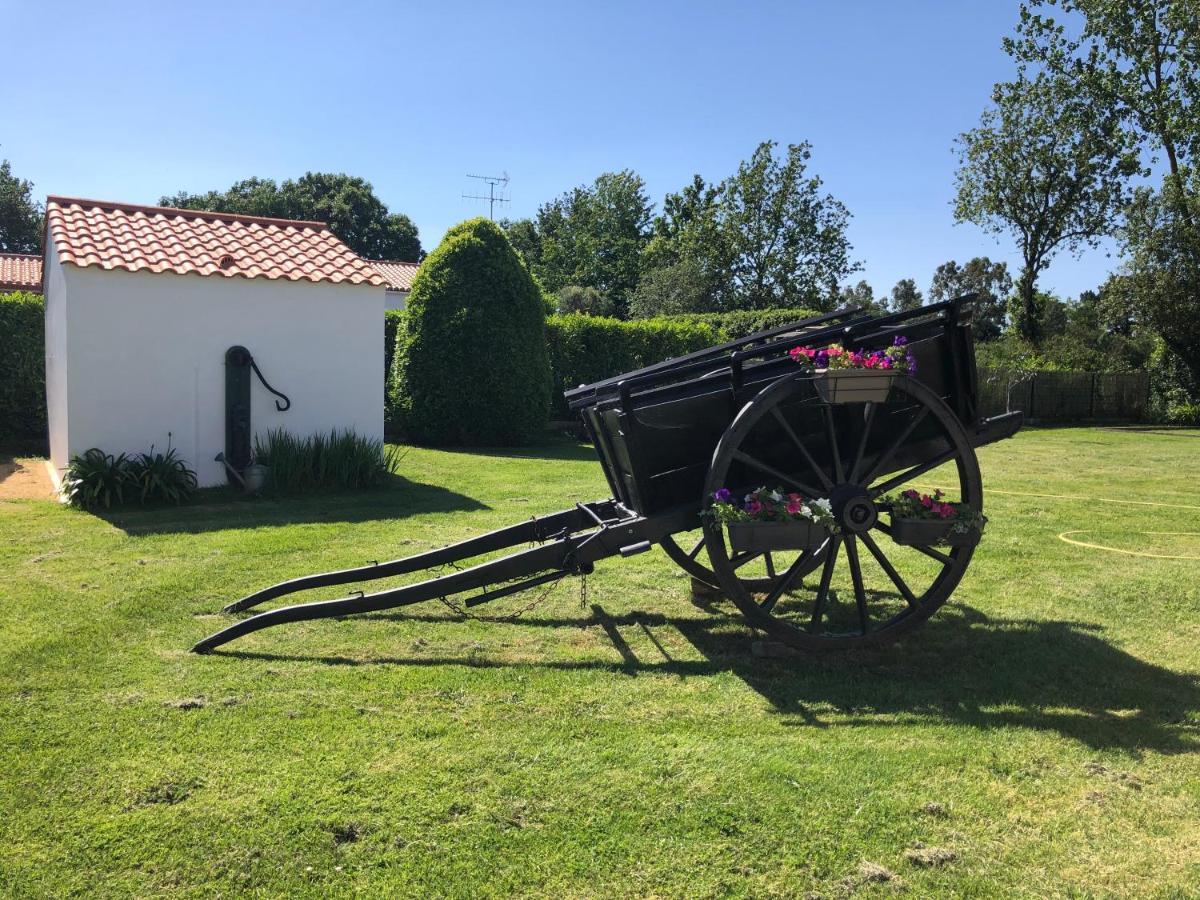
(393, 331)
(729, 326)
(95, 478)
(161, 476)
(22, 366)
(340, 459)
(584, 349)
(473, 367)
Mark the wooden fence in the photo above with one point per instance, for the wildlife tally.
(1066, 396)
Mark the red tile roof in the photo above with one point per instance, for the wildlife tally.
(397, 273)
(20, 272)
(189, 242)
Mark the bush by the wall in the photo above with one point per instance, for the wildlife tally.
(22, 367)
(393, 330)
(473, 367)
(729, 326)
(340, 459)
(584, 349)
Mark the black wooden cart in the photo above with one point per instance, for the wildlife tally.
(739, 416)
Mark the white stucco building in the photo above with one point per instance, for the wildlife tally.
(142, 304)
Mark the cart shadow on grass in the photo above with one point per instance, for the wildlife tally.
(965, 668)
(221, 509)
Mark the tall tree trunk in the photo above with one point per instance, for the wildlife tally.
(1030, 324)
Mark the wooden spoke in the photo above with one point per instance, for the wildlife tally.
(749, 460)
(784, 585)
(831, 434)
(943, 558)
(741, 559)
(882, 462)
(695, 551)
(868, 420)
(808, 458)
(860, 595)
(914, 472)
(814, 626)
(886, 565)
(770, 565)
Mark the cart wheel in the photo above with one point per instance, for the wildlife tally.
(757, 572)
(870, 589)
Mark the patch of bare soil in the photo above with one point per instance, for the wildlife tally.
(25, 479)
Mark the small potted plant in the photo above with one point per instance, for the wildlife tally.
(924, 520)
(855, 376)
(772, 520)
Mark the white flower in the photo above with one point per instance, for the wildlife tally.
(776, 496)
(806, 511)
(824, 506)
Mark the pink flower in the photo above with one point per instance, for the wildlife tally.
(946, 511)
(793, 506)
(835, 350)
(754, 507)
(927, 501)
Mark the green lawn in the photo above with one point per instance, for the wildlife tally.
(1043, 728)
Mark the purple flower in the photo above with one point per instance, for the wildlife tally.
(900, 341)
(821, 360)
(723, 495)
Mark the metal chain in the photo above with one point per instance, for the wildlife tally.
(537, 601)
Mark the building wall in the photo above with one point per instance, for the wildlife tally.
(147, 359)
(56, 358)
(395, 299)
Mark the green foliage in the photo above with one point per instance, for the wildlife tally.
(592, 236)
(1047, 166)
(678, 288)
(346, 203)
(341, 460)
(729, 326)
(22, 366)
(584, 349)
(585, 300)
(989, 281)
(905, 296)
(20, 214)
(161, 476)
(1174, 391)
(765, 237)
(95, 478)
(861, 294)
(473, 368)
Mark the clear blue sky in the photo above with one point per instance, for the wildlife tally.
(135, 101)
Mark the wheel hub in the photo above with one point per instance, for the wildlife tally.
(853, 508)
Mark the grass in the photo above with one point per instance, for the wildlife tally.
(1038, 738)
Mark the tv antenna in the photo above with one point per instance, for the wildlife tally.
(492, 181)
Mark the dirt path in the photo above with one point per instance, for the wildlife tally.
(25, 479)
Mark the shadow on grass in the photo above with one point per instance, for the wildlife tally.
(961, 667)
(218, 509)
(563, 451)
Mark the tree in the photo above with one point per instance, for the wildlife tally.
(523, 235)
(20, 215)
(764, 237)
(670, 290)
(593, 236)
(1048, 167)
(585, 300)
(785, 242)
(905, 296)
(861, 294)
(346, 203)
(989, 281)
(473, 367)
(1140, 62)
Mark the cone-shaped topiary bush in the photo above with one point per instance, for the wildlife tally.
(471, 363)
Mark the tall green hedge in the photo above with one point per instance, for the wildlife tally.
(584, 349)
(472, 368)
(730, 326)
(22, 367)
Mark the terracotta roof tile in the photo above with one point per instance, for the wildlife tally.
(190, 242)
(397, 273)
(20, 272)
